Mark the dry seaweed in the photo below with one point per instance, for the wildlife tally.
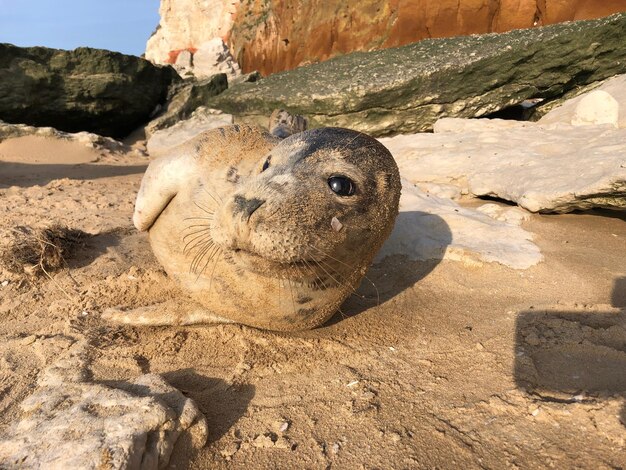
(40, 251)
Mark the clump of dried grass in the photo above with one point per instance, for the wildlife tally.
(40, 251)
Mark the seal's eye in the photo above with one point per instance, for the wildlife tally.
(341, 185)
(266, 165)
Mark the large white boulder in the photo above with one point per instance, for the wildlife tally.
(432, 227)
(543, 168)
(606, 104)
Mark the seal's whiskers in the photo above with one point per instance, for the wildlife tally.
(352, 268)
(203, 250)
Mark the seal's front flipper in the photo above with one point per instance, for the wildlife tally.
(159, 185)
(169, 313)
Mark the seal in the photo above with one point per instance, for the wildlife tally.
(270, 233)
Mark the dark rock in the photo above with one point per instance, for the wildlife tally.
(185, 98)
(81, 90)
(406, 89)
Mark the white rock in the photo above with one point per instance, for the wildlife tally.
(473, 125)
(430, 227)
(201, 120)
(553, 168)
(596, 107)
(512, 215)
(214, 57)
(184, 59)
(70, 422)
(606, 104)
(441, 190)
(186, 24)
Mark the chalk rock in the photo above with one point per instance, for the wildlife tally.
(186, 24)
(605, 104)
(213, 57)
(184, 60)
(431, 227)
(554, 168)
(201, 120)
(71, 422)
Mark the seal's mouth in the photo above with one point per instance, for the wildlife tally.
(259, 263)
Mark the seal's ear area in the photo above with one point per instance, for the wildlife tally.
(159, 185)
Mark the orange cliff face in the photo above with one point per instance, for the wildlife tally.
(275, 35)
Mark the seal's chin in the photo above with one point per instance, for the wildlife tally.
(251, 261)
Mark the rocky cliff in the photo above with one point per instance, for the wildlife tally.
(273, 35)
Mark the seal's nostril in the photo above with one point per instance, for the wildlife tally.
(246, 207)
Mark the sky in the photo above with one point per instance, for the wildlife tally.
(117, 25)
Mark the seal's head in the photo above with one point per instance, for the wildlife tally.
(316, 208)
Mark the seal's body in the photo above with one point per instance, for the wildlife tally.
(269, 233)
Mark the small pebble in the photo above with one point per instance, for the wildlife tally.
(283, 427)
(28, 340)
(263, 441)
(5, 283)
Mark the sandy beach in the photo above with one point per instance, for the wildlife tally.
(432, 364)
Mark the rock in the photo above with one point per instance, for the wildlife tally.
(245, 78)
(213, 57)
(186, 24)
(86, 89)
(552, 168)
(430, 227)
(72, 422)
(186, 98)
(407, 89)
(184, 60)
(201, 120)
(606, 104)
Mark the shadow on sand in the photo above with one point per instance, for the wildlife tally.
(26, 174)
(568, 356)
(396, 273)
(221, 403)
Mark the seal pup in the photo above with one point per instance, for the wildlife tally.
(270, 233)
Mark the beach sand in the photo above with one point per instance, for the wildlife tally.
(440, 365)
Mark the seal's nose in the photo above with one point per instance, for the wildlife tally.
(246, 207)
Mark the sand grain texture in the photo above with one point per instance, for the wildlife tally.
(447, 364)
